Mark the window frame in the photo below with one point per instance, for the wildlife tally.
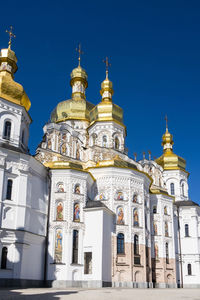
(9, 189)
(7, 130)
(75, 243)
(120, 244)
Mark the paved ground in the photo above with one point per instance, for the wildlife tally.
(103, 294)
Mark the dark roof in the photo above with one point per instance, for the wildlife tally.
(186, 203)
(92, 203)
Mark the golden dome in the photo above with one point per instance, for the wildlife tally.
(167, 138)
(106, 110)
(79, 74)
(9, 89)
(169, 160)
(72, 110)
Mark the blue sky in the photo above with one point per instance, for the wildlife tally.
(154, 49)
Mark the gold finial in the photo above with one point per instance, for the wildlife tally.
(80, 52)
(166, 119)
(149, 152)
(11, 35)
(107, 66)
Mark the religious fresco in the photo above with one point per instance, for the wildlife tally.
(76, 212)
(120, 196)
(77, 189)
(120, 216)
(155, 228)
(135, 218)
(135, 198)
(49, 144)
(59, 212)
(58, 246)
(156, 252)
(166, 229)
(60, 187)
(165, 210)
(63, 148)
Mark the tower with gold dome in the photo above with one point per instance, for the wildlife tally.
(23, 182)
(174, 169)
(15, 103)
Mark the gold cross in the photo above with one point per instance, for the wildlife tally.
(80, 52)
(166, 119)
(107, 66)
(11, 35)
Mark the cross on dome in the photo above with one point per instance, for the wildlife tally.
(80, 52)
(166, 119)
(11, 35)
(107, 66)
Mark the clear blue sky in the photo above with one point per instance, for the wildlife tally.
(154, 48)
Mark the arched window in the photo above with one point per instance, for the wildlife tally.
(154, 209)
(186, 230)
(7, 130)
(9, 189)
(172, 188)
(75, 247)
(4, 254)
(183, 189)
(189, 269)
(167, 253)
(136, 245)
(94, 139)
(104, 141)
(116, 143)
(120, 243)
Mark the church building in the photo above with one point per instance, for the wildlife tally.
(81, 212)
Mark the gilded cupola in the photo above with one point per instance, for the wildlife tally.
(76, 108)
(78, 80)
(169, 160)
(106, 110)
(10, 89)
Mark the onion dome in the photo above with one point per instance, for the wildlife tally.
(106, 89)
(9, 89)
(106, 110)
(78, 83)
(76, 108)
(169, 160)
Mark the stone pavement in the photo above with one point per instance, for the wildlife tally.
(97, 294)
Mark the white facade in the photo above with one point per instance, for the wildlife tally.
(82, 212)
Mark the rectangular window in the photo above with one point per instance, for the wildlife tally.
(88, 263)
(75, 247)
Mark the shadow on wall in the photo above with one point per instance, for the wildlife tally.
(38, 294)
